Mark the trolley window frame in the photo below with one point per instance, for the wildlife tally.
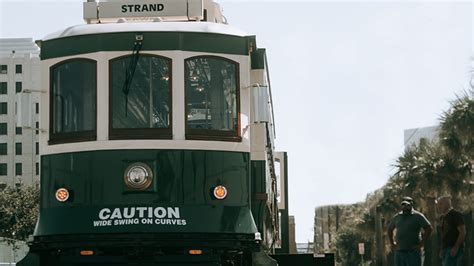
(78, 136)
(141, 133)
(213, 134)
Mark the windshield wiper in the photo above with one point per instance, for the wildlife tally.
(137, 46)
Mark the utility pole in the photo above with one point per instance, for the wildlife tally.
(379, 241)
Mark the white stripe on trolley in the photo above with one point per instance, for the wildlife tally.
(243, 146)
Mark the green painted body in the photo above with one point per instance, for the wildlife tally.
(123, 41)
(258, 186)
(258, 59)
(182, 179)
(284, 214)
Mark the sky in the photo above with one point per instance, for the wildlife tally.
(348, 77)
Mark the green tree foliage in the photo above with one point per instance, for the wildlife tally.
(19, 208)
(430, 169)
(457, 126)
(347, 241)
(357, 227)
(457, 139)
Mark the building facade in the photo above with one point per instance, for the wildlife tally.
(19, 148)
(9, 255)
(414, 136)
(326, 225)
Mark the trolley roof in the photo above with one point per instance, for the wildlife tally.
(201, 27)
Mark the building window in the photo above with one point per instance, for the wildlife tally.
(140, 106)
(3, 108)
(18, 148)
(3, 129)
(3, 169)
(73, 101)
(18, 169)
(37, 108)
(37, 169)
(212, 99)
(3, 69)
(3, 88)
(3, 148)
(18, 69)
(18, 86)
(37, 148)
(18, 130)
(37, 126)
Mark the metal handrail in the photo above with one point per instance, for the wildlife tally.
(270, 92)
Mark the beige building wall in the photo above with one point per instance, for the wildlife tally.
(19, 71)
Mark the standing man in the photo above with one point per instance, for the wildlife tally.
(453, 232)
(410, 237)
(413, 208)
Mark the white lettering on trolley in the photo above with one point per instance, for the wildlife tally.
(104, 214)
(139, 216)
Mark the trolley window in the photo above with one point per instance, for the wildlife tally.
(212, 99)
(73, 95)
(140, 98)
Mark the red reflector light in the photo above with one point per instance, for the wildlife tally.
(195, 252)
(220, 192)
(86, 252)
(62, 194)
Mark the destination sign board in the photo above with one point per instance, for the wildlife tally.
(141, 9)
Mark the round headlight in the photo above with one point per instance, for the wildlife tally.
(62, 194)
(220, 192)
(138, 176)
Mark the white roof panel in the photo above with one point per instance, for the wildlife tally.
(204, 27)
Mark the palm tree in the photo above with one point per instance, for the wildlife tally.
(457, 139)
